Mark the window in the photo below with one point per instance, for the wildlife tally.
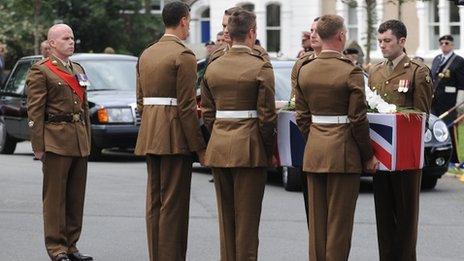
(205, 26)
(454, 24)
(157, 5)
(352, 23)
(249, 7)
(273, 27)
(17, 81)
(434, 24)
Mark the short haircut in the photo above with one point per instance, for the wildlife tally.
(232, 10)
(329, 25)
(240, 22)
(397, 27)
(173, 13)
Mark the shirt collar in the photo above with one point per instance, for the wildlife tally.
(241, 46)
(65, 64)
(397, 60)
(331, 51)
(447, 56)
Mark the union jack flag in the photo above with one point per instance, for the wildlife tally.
(398, 140)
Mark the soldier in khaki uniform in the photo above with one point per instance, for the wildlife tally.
(60, 135)
(169, 133)
(239, 111)
(407, 84)
(331, 113)
(224, 48)
(316, 45)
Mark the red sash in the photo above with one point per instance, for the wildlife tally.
(68, 78)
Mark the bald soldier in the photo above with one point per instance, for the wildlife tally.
(331, 114)
(406, 83)
(60, 136)
(220, 51)
(169, 133)
(239, 111)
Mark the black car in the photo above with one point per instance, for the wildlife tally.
(111, 97)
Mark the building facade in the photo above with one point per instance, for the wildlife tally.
(281, 22)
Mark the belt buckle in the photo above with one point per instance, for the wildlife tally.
(249, 114)
(170, 102)
(76, 117)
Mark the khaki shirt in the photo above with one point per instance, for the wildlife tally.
(239, 80)
(297, 66)
(337, 90)
(168, 69)
(410, 72)
(48, 94)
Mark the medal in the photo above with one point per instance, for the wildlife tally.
(83, 80)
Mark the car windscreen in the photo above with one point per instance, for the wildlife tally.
(110, 74)
(282, 75)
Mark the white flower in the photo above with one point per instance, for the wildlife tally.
(375, 101)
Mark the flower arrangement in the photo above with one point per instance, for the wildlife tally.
(377, 103)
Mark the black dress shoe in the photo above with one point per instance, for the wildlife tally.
(77, 256)
(61, 257)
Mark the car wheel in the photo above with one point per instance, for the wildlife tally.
(429, 183)
(7, 144)
(291, 178)
(95, 153)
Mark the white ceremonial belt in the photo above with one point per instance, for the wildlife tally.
(342, 119)
(159, 101)
(237, 114)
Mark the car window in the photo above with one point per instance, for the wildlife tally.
(17, 80)
(283, 85)
(110, 74)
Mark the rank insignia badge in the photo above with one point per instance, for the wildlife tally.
(404, 85)
(83, 80)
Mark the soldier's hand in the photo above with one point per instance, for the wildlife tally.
(39, 155)
(371, 165)
(201, 156)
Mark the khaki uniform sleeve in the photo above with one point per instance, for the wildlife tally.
(266, 108)
(36, 101)
(423, 90)
(293, 77)
(303, 114)
(186, 101)
(208, 107)
(357, 113)
(87, 118)
(139, 92)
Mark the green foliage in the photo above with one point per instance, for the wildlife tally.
(97, 24)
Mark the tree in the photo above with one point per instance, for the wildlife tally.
(96, 25)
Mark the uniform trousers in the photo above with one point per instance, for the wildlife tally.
(63, 194)
(396, 197)
(167, 206)
(239, 194)
(332, 203)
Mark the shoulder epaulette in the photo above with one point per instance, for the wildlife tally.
(343, 58)
(216, 54)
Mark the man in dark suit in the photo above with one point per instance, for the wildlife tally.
(448, 77)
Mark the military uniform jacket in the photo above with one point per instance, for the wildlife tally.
(257, 50)
(239, 80)
(168, 69)
(48, 94)
(297, 66)
(337, 90)
(451, 82)
(408, 72)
